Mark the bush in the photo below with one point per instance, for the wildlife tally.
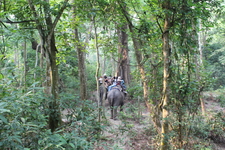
(24, 124)
(134, 90)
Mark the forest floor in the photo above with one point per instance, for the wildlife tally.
(133, 132)
(128, 132)
(213, 106)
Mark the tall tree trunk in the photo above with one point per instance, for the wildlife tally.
(42, 62)
(138, 54)
(2, 50)
(25, 63)
(123, 67)
(81, 61)
(37, 47)
(81, 66)
(16, 56)
(154, 110)
(137, 47)
(97, 69)
(166, 75)
(201, 42)
(113, 64)
(52, 72)
(104, 65)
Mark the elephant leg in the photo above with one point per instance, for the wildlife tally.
(115, 113)
(121, 106)
(106, 94)
(111, 112)
(100, 102)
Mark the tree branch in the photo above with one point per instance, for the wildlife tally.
(157, 21)
(23, 21)
(58, 16)
(125, 14)
(3, 24)
(39, 27)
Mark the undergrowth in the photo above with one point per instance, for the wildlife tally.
(24, 124)
(24, 121)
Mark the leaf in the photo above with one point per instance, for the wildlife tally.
(4, 110)
(72, 145)
(23, 120)
(1, 76)
(2, 105)
(3, 119)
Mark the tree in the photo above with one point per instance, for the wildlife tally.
(180, 48)
(138, 47)
(166, 74)
(47, 35)
(123, 65)
(81, 58)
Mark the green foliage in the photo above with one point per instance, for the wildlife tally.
(135, 90)
(217, 126)
(219, 96)
(133, 110)
(83, 121)
(197, 132)
(209, 128)
(23, 121)
(22, 117)
(91, 81)
(68, 72)
(215, 59)
(222, 100)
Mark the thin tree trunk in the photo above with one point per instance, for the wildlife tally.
(201, 41)
(35, 66)
(81, 61)
(25, 63)
(42, 63)
(138, 55)
(104, 65)
(97, 70)
(2, 50)
(81, 66)
(55, 115)
(166, 74)
(17, 61)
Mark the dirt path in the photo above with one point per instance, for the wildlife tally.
(120, 133)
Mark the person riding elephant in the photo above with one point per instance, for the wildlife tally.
(122, 83)
(114, 83)
(105, 76)
(100, 80)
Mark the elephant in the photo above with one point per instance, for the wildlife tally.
(116, 98)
